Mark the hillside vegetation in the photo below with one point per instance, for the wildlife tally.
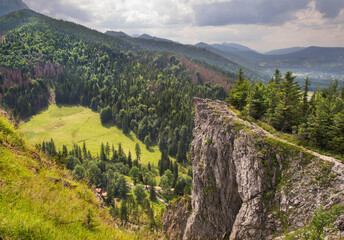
(316, 121)
(34, 204)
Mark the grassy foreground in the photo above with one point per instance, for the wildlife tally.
(34, 206)
(74, 124)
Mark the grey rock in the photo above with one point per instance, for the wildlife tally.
(248, 185)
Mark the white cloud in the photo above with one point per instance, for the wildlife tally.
(310, 24)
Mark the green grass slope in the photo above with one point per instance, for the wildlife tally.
(34, 206)
(73, 124)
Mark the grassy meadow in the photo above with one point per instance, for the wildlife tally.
(74, 124)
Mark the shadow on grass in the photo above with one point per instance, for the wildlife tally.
(108, 125)
(149, 149)
(128, 135)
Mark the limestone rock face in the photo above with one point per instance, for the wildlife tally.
(175, 218)
(248, 185)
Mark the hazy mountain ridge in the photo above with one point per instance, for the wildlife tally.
(284, 51)
(319, 63)
(8, 6)
(199, 53)
(231, 47)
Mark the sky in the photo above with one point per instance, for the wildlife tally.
(262, 25)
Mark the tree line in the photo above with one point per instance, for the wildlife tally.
(316, 119)
(109, 169)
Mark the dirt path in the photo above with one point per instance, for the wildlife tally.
(338, 166)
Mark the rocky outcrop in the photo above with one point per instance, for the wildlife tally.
(248, 185)
(175, 218)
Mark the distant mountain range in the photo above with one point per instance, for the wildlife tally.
(143, 36)
(146, 41)
(8, 6)
(284, 51)
(319, 63)
(146, 36)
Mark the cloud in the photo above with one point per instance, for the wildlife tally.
(330, 8)
(149, 13)
(259, 24)
(61, 9)
(264, 12)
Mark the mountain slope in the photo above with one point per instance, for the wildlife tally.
(8, 6)
(198, 53)
(17, 19)
(117, 34)
(41, 201)
(241, 57)
(231, 47)
(148, 37)
(284, 51)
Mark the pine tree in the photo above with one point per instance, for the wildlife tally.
(130, 161)
(287, 113)
(84, 150)
(107, 150)
(152, 194)
(175, 172)
(52, 148)
(258, 103)
(125, 124)
(124, 211)
(305, 99)
(64, 151)
(238, 96)
(138, 152)
(278, 77)
(102, 153)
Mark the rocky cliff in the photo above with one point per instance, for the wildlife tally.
(249, 185)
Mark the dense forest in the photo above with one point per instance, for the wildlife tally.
(316, 119)
(147, 92)
(109, 170)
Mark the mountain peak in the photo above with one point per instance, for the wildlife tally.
(117, 34)
(149, 37)
(8, 6)
(231, 47)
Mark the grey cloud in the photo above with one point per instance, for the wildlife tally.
(266, 12)
(330, 8)
(58, 9)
